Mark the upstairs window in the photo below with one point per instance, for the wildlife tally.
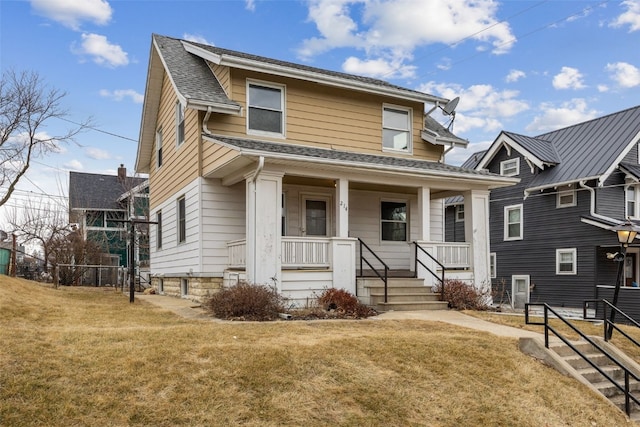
(566, 199)
(158, 148)
(513, 222)
(396, 129)
(266, 109)
(510, 167)
(631, 196)
(393, 218)
(179, 124)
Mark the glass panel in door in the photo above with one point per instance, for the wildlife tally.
(315, 217)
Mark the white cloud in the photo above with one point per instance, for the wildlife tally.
(97, 153)
(197, 39)
(557, 117)
(71, 13)
(603, 88)
(379, 68)
(481, 106)
(393, 29)
(515, 75)
(74, 165)
(458, 156)
(568, 78)
(250, 5)
(101, 50)
(630, 17)
(624, 74)
(120, 94)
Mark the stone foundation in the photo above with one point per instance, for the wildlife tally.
(192, 288)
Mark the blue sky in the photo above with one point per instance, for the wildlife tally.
(522, 66)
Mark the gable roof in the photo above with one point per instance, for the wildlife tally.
(98, 192)
(471, 163)
(186, 64)
(585, 151)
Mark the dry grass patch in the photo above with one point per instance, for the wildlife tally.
(85, 356)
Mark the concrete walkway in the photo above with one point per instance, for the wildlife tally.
(193, 310)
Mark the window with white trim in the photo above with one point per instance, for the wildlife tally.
(158, 148)
(566, 261)
(393, 221)
(159, 230)
(265, 114)
(513, 222)
(493, 265)
(566, 199)
(631, 201)
(179, 123)
(510, 167)
(459, 213)
(182, 220)
(396, 129)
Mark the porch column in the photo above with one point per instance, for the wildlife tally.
(424, 214)
(264, 228)
(342, 207)
(476, 231)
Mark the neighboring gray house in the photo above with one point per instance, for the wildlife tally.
(98, 203)
(551, 233)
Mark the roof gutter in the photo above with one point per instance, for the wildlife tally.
(592, 207)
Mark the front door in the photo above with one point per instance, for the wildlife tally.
(315, 216)
(520, 291)
(630, 269)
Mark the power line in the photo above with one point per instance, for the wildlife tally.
(98, 130)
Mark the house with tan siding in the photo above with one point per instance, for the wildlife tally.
(299, 178)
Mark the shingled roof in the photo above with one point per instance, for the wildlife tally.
(588, 150)
(97, 191)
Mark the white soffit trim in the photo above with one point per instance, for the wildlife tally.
(492, 179)
(275, 69)
(598, 223)
(531, 190)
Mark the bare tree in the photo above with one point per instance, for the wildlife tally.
(27, 104)
(41, 223)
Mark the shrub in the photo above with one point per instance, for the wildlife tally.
(245, 301)
(463, 296)
(344, 303)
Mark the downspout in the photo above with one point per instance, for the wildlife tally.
(205, 128)
(592, 207)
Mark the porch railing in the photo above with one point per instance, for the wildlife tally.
(453, 255)
(297, 252)
(305, 252)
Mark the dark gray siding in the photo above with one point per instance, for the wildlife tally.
(546, 229)
(453, 230)
(610, 197)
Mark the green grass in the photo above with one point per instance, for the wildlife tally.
(85, 356)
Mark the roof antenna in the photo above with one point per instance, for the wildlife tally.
(449, 109)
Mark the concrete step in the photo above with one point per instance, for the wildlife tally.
(412, 306)
(577, 362)
(401, 289)
(619, 401)
(376, 282)
(564, 350)
(593, 375)
(608, 389)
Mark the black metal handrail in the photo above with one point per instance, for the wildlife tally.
(384, 277)
(433, 273)
(608, 324)
(547, 327)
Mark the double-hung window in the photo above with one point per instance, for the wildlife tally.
(182, 220)
(396, 129)
(158, 148)
(513, 222)
(631, 196)
(566, 261)
(393, 219)
(179, 123)
(159, 230)
(266, 109)
(510, 167)
(459, 213)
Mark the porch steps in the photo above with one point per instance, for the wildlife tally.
(583, 369)
(403, 294)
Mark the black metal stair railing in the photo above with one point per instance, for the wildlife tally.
(628, 374)
(384, 276)
(607, 323)
(440, 277)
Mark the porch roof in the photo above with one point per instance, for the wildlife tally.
(256, 148)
